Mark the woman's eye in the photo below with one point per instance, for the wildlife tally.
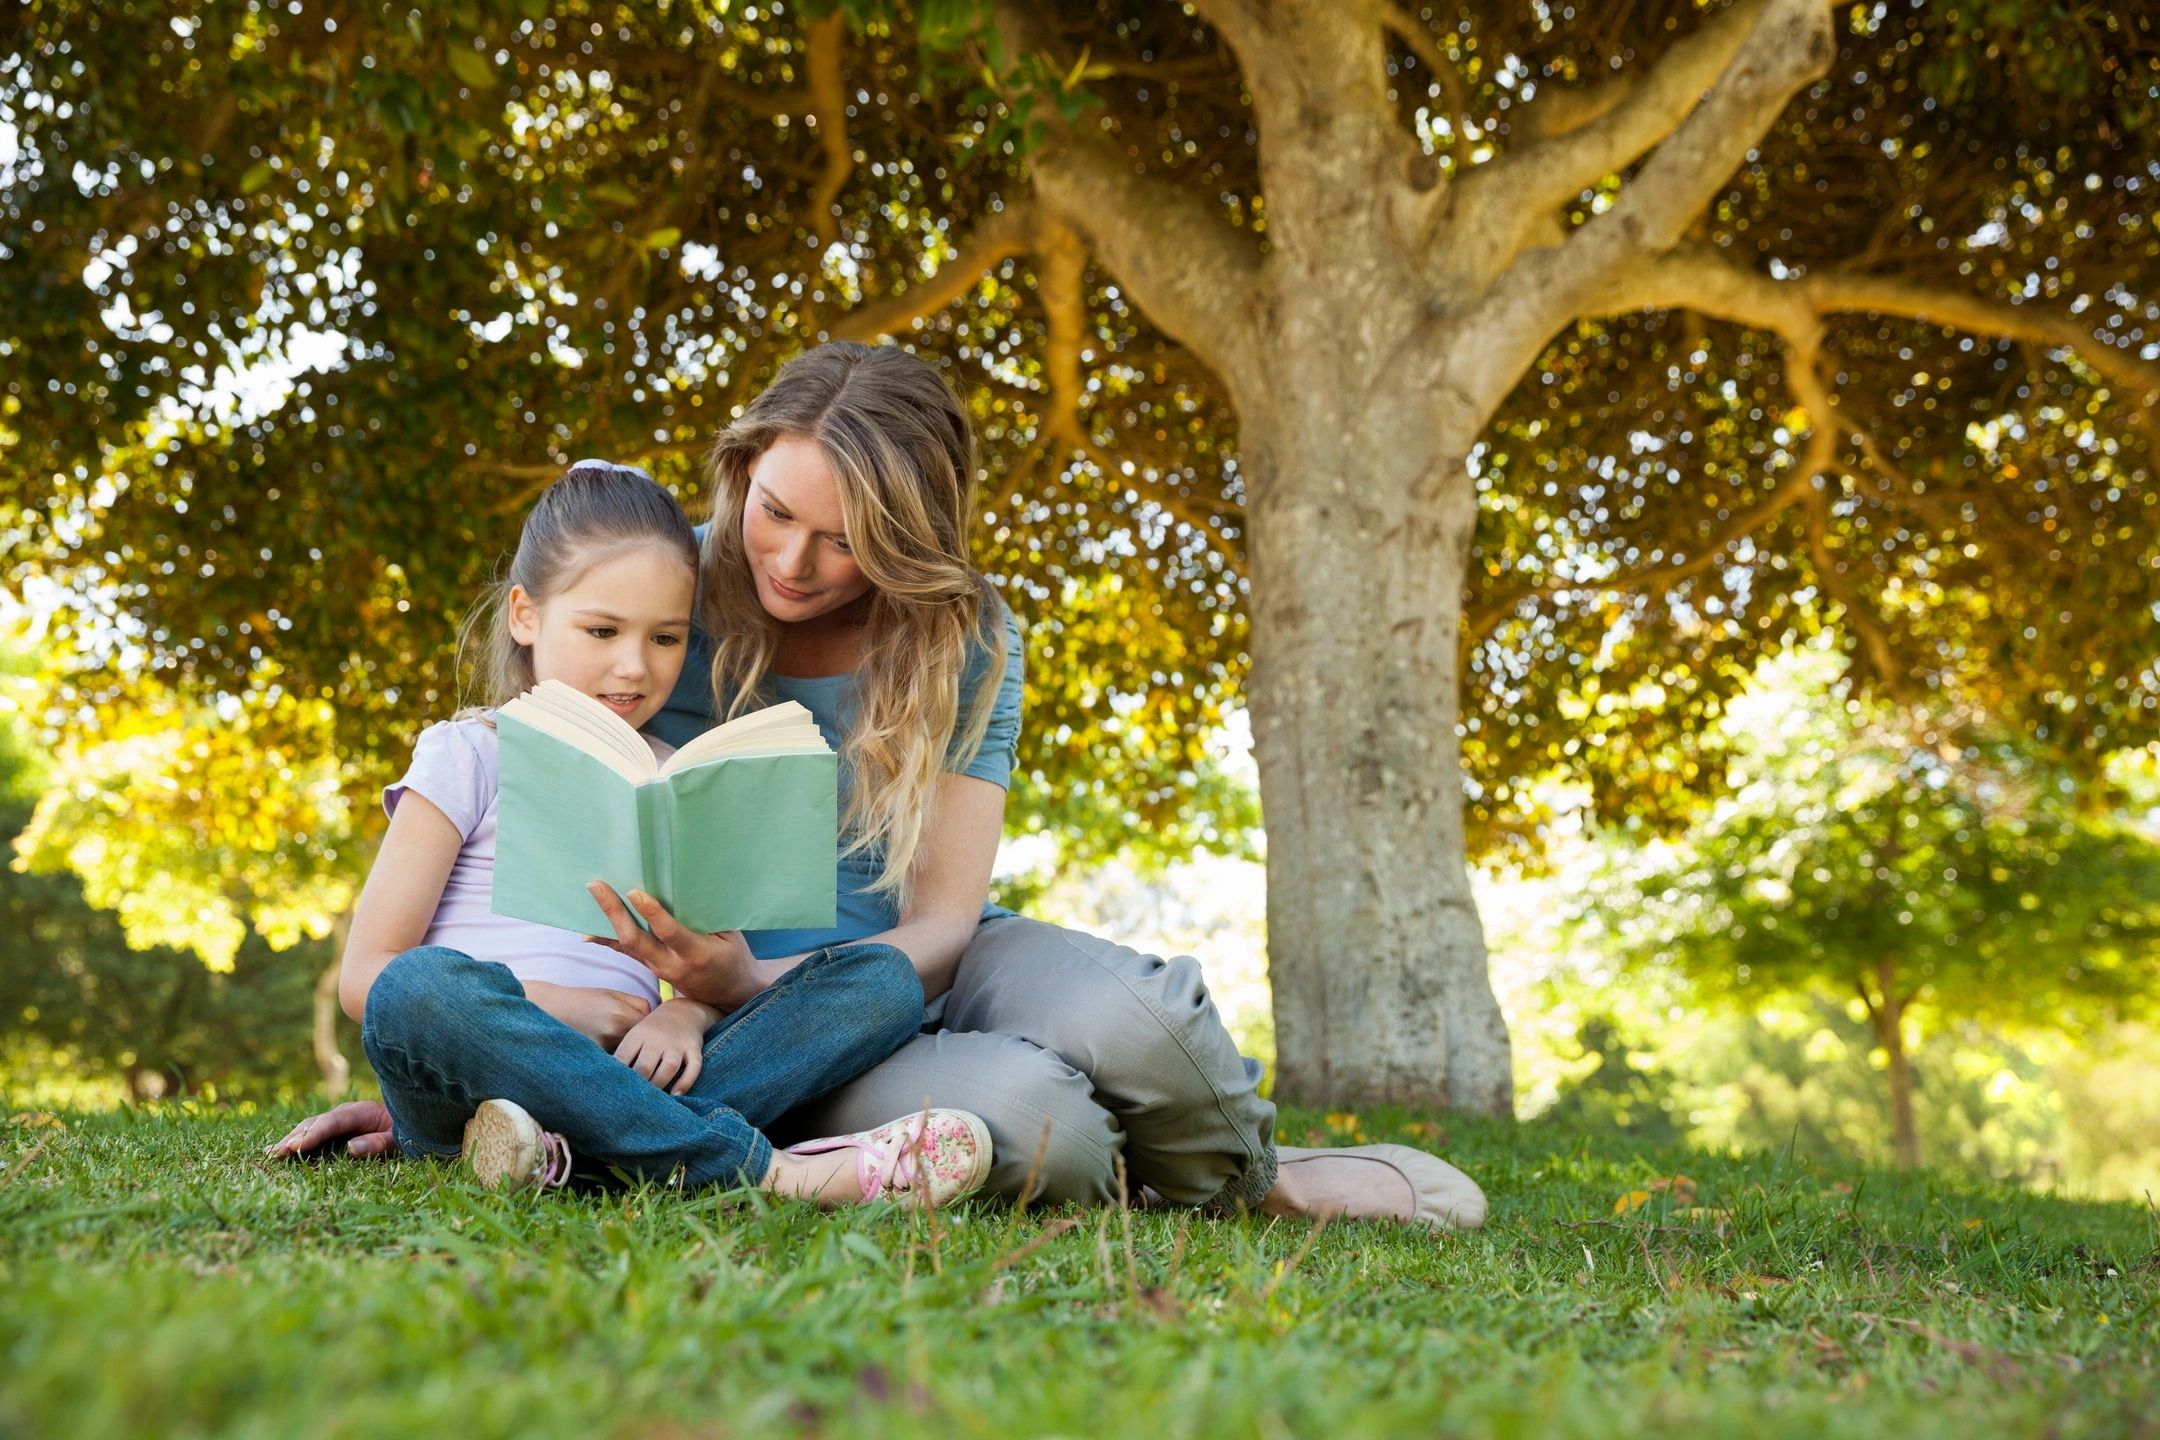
(842, 546)
(773, 510)
(601, 632)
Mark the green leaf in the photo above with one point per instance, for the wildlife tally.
(662, 238)
(473, 68)
(257, 176)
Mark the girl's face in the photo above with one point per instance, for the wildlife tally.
(616, 632)
(795, 537)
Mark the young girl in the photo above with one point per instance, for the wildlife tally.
(477, 1024)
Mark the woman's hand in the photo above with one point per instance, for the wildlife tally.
(717, 969)
(667, 1047)
(601, 1016)
(364, 1126)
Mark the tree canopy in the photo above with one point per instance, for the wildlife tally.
(1743, 322)
(307, 305)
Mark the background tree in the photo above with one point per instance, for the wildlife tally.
(125, 997)
(1856, 859)
(1256, 306)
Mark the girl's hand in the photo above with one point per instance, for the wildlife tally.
(717, 969)
(364, 1126)
(667, 1047)
(601, 1016)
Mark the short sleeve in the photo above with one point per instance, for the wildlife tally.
(448, 768)
(1000, 750)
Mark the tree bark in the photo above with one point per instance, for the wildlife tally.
(1358, 525)
(1889, 1017)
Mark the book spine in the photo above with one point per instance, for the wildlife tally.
(656, 835)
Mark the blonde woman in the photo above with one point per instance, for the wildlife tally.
(834, 572)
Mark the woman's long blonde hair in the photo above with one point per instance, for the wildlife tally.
(903, 454)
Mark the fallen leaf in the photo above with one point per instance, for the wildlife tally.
(1633, 1200)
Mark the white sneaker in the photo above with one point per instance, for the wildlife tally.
(507, 1150)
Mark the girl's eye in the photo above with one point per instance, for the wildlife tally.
(667, 639)
(601, 632)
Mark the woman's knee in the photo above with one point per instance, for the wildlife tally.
(1104, 1007)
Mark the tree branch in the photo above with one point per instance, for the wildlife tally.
(1062, 269)
(1241, 23)
(1188, 267)
(1062, 266)
(1700, 279)
(1881, 658)
(1830, 291)
(828, 105)
(1788, 46)
(1602, 129)
(1008, 233)
(1412, 31)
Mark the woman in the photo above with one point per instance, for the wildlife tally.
(834, 572)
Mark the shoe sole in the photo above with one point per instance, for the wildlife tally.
(502, 1146)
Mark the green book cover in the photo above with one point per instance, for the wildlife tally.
(737, 841)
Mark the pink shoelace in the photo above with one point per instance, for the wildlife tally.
(898, 1165)
(879, 1167)
(554, 1161)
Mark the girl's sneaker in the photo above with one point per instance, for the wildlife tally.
(507, 1150)
(942, 1153)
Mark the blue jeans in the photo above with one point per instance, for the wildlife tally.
(446, 1032)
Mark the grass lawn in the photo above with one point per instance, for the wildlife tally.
(160, 1278)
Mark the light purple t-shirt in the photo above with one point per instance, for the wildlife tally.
(454, 766)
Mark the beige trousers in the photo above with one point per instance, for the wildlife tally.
(1077, 1050)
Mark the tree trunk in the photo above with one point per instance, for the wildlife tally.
(1890, 1034)
(336, 1069)
(1358, 519)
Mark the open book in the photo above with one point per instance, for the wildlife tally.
(736, 831)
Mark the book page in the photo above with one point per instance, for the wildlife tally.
(783, 729)
(583, 723)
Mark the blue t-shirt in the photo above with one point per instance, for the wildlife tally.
(831, 701)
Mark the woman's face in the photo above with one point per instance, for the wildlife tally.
(794, 536)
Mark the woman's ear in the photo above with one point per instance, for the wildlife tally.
(524, 615)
